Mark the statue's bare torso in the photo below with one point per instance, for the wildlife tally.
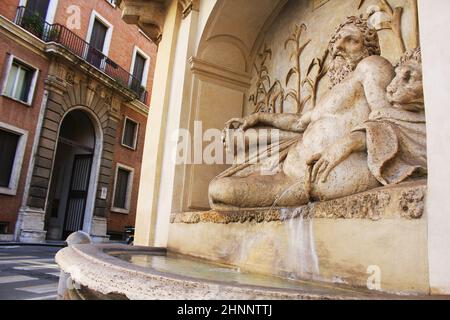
(346, 106)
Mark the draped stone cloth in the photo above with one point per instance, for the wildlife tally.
(267, 159)
(396, 148)
(396, 144)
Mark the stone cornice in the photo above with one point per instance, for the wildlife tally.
(405, 201)
(58, 50)
(149, 15)
(37, 46)
(219, 73)
(138, 106)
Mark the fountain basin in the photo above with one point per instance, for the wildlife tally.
(328, 250)
(376, 236)
(123, 272)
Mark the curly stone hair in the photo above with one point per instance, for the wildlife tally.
(411, 55)
(371, 40)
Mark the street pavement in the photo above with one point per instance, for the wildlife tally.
(28, 273)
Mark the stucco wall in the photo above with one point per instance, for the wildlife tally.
(434, 32)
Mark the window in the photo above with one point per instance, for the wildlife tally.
(46, 9)
(97, 42)
(130, 132)
(20, 81)
(139, 69)
(12, 148)
(122, 189)
(99, 33)
(8, 146)
(39, 7)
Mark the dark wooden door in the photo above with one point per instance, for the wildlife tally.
(78, 192)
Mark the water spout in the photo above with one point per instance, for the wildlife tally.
(301, 261)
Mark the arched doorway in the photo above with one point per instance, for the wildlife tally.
(70, 200)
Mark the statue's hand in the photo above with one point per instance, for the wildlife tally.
(242, 123)
(323, 163)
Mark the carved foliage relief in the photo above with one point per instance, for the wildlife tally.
(289, 71)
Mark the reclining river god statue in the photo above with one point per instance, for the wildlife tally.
(367, 131)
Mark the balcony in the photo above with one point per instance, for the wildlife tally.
(61, 35)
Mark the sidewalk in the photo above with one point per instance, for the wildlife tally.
(60, 244)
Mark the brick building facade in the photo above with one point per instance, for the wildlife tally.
(75, 85)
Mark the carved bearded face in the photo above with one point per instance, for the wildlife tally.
(406, 90)
(347, 52)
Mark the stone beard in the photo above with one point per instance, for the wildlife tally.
(343, 65)
(347, 52)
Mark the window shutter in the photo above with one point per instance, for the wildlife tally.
(98, 35)
(129, 134)
(120, 197)
(8, 146)
(25, 85)
(139, 65)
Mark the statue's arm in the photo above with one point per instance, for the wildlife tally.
(286, 121)
(376, 73)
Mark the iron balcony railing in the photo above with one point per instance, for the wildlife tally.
(33, 23)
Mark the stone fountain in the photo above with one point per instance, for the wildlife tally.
(340, 213)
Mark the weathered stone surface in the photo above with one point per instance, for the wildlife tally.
(43, 162)
(78, 237)
(47, 143)
(39, 182)
(103, 275)
(38, 192)
(405, 200)
(376, 136)
(41, 172)
(45, 152)
(49, 134)
(34, 202)
(412, 203)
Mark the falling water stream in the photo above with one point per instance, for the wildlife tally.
(301, 260)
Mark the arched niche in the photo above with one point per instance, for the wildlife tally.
(230, 46)
(221, 78)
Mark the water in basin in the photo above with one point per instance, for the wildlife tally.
(198, 270)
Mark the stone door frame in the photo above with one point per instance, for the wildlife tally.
(96, 162)
(30, 226)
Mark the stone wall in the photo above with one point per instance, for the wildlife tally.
(374, 240)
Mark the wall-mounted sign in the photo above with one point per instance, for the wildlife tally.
(104, 193)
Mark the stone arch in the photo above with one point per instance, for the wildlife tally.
(240, 25)
(59, 104)
(227, 51)
(221, 78)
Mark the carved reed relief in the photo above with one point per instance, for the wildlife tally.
(298, 48)
(394, 21)
(319, 65)
(269, 96)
